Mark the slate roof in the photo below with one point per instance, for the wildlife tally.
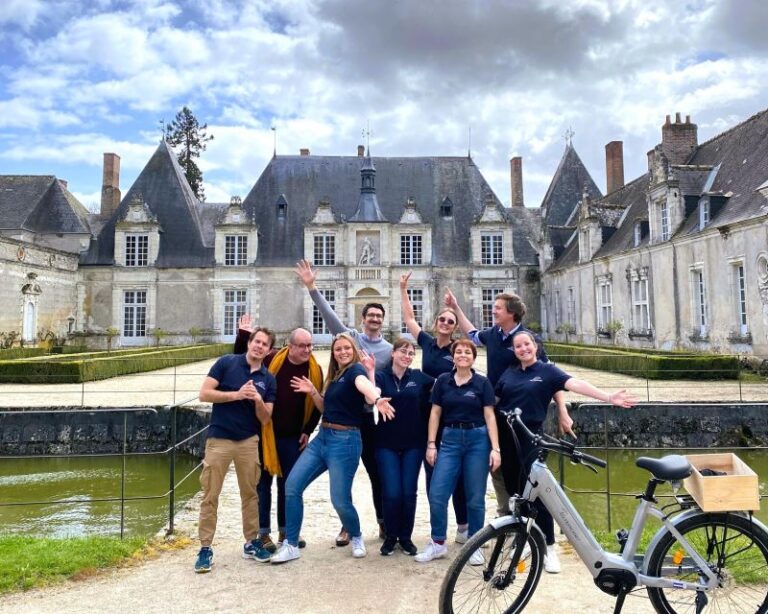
(40, 203)
(164, 188)
(306, 180)
(566, 189)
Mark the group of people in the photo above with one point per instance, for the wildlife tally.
(372, 405)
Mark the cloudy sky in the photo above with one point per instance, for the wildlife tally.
(81, 78)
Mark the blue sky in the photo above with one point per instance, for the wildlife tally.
(78, 79)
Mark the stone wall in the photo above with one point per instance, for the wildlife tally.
(672, 425)
(52, 431)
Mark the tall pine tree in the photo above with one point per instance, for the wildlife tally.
(186, 132)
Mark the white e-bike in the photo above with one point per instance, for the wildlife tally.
(696, 562)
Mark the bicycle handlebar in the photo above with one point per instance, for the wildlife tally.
(560, 446)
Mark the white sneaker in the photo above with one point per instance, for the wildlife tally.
(285, 554)
(431, 552)
(461, 536)
(551, 560)
(358, 547)
(477, 558)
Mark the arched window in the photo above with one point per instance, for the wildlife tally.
(446, 208)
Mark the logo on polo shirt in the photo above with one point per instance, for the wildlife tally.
(340, 380)
(469, 393)
(260, 385)
(536, 379)
(410, 385)
(448, 358)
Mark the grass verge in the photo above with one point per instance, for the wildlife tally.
(32, 562)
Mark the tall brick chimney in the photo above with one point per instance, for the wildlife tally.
(614, 166)
(679, 140)
(303, 151)
(110, 185)
(516, 181)
(361, 151)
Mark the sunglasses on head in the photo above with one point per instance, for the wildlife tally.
(444, 320)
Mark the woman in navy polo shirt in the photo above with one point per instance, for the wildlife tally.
(463, 400)
(337, 446)
(436, 359)
(531, 387)
(400, 444)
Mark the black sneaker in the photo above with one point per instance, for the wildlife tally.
(388, 547)
(408, 547)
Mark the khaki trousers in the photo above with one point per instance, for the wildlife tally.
(502, 496)
(219, 454)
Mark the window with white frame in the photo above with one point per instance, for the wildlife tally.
(136, 250)
(487, 298)
(664, 218)
(638, 234)
(571, 308)
(699, 295)
(740, 287)
(491, 249)
(235, 306)
(410, 249)
(324, 250)
(318, 324)
(641, 320)
(416, 296)
(604, 302)
(558, 309)
(134, 313)
(235, 250)
(703, 213)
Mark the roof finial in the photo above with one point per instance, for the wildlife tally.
(568, 136)
(469, 141)
(273, 128)
(162, 130)
(367, 137)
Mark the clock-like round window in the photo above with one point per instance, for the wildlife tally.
(762, 268)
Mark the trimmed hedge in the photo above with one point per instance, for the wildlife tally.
(641, 364)
(74, 369)
(16, 353)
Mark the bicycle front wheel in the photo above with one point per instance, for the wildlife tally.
(479, 578)
(735, 548)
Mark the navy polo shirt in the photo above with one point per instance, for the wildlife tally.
(410, 398)
(530, 389)
(463, 403)
(343, 402)
(237, 420)
(500, 352)
(434, 359)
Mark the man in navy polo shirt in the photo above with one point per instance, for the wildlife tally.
(508, 313)
(242, 392)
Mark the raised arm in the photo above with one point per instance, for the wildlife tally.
(464, 324)
(308, 276)
(409, 317)
(620, 398)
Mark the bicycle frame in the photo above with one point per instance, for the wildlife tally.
(541, 484)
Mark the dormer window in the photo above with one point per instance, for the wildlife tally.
(703, 213)
(235, 250)
(638, 236)
(492, 249)
(446, 208)
(282, 207)
(664, 218)
(136, 250)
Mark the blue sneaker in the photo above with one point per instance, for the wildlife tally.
(254, 549)
(204, 560)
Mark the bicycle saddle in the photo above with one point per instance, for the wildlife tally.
(670, 467)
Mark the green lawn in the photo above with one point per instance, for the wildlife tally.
(29, 562)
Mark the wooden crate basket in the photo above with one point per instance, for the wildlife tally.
(738, 490)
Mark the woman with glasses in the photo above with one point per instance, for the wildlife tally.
(338, 445)
(464, 401)
(400, 444)
(436, 359)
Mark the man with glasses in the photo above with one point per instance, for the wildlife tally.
(293, 420)
(370, 341)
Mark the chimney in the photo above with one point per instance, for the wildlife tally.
(516, 181)
(614, 166)
(110, 185)
(679, 139)
(361, 151)
(303, 151)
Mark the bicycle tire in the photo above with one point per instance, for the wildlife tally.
(467, 586)
(743, 570)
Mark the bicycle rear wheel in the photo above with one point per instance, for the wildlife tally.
(735, 548)
(488, 587)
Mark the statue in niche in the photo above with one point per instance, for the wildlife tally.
(367, 253)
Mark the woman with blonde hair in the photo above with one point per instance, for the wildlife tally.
(338, 445)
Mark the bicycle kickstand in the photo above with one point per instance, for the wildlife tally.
(620, 601)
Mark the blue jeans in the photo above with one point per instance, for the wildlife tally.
(399, 472)
(287, 453)
(458, 498)
(463, 455)
(338, 452)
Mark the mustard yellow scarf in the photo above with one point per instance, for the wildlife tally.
(271, 462)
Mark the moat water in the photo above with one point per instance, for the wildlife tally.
(87, 480)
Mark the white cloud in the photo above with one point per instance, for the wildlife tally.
(22, 13)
